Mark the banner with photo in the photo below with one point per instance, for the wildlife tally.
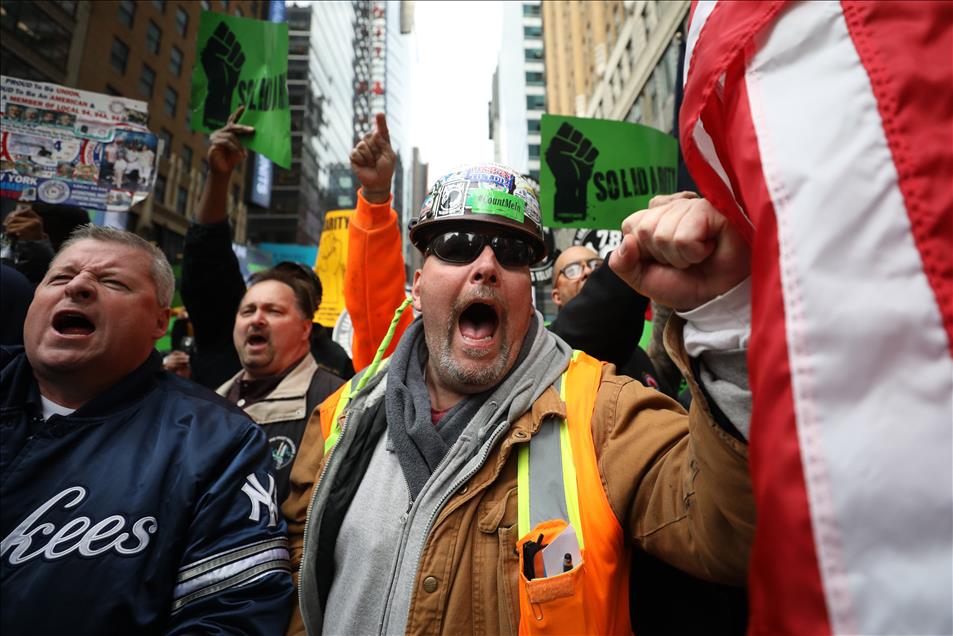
(63, 145)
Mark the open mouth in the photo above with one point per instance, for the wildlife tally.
(478, 322)
(70, 323)
(256, 339)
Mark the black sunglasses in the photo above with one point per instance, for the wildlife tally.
(465, 247)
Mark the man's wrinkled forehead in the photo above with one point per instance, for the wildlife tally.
(102, 254)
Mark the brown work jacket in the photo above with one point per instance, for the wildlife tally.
(678, 485)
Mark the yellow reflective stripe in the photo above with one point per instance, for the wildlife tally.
(335, 425)
(569, 467)
(522, 489)
(365, 376)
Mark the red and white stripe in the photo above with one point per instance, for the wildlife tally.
(833, 150)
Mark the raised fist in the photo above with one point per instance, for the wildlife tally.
(571, 158)
(222, 62)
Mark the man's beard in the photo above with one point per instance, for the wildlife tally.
(441, 350)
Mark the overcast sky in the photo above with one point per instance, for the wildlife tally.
(457, 46)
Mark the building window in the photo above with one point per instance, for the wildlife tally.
(531, 9)
(175, 61)
(534, 151)
(239, 12)
(40, 34)
(112, 90)
(206, 6)
(118, 55)
(171, 101)
(166, 138)
(159, 5)
(127, 12)
(532, 125)
(182, 21)
(535, 102)
(187, 157)
(534, 55)
(182, 201)
(225, 4)
(147, 80)
(160, 188)
(534, 78)
(153, 37)
(530, 31)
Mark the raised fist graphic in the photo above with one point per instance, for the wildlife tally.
(571, 157)
(222, 62)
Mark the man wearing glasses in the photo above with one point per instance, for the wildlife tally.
(451, 466)
(571, 271)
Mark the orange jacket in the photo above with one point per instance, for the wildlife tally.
(374, 279)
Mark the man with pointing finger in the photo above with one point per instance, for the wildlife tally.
(507, 442)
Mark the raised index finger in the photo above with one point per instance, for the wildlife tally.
(382, 126)
(237, 114)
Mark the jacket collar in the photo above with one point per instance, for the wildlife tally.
(287, 401)
(21, 388)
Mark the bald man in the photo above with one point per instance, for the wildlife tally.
(571, 271)
(601, 315)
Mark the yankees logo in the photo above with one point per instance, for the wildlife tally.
(77, 535)
(259, 496)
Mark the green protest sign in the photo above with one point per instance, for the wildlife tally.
(244, 61)
(595, 172)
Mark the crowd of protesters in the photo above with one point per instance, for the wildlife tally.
(469, 468)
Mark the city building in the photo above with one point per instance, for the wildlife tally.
(578, 39)
(613, 59)
(347, 61)
(640, 76)
(141, 50)
(320, 77)
(519, 91)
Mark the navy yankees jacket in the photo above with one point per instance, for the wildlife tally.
(149, 510)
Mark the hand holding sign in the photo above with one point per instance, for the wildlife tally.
(373, 162)
(242, 61)
(226, 151)
(570, 157)
(222, 62)
(682, 252)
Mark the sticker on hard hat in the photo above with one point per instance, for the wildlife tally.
(486, 201)
(492, 175)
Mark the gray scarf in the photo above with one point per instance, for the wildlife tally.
(420, 445)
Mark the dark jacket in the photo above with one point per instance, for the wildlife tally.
(212, 289)
(149, 510)
(605, 320)
(283, 414)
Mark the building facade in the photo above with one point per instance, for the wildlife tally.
(519, 88)
(320, 94)
(614, 59)
(579, 36)
(141, 50)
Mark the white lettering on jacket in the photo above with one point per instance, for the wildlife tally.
(77, 535)
(259, 496)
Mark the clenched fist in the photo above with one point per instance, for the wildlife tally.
(681, 252)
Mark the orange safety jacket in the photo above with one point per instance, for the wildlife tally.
(374, 278)
(558, 483)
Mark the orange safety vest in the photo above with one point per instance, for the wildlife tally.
(557, 464)
(553, 469)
